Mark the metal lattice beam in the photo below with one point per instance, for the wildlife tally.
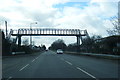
(54, 32)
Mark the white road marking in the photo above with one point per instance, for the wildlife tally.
(33, 60)
(36, 57)
(24, 67)
(86, 72)
(68, 62)
(9, 78)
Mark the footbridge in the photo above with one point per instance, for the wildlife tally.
(47, 32)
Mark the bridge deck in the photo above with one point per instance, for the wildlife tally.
(47, 35)
(49, 32)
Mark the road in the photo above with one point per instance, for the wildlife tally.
(51, 65)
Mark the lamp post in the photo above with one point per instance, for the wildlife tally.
(6, 27)
(31, 32)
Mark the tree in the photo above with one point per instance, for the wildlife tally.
(89, 44)
(72, 47)
(3, 35)
(93, 39)
(58, 44)
(116, 27)
(43, 47)
(5, 45)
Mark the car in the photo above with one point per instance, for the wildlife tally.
(59, 51)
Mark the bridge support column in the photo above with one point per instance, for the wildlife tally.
(19, 40)
(78, 43)
(78, 40)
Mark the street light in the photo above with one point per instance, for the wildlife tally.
(31, 32)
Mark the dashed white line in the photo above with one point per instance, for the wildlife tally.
(24, 67)
(86, 73)
(9, 78)
(68, 62)
(33, 60)
(36, 57)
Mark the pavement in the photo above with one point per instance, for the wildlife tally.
(98, 55)
(51, 65)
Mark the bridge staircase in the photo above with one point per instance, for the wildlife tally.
(13, 42)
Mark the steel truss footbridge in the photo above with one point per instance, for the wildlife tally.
(47, 32)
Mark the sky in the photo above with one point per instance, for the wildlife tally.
(93, 15)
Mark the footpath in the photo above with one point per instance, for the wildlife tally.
(107, 56)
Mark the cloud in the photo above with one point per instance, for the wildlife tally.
(92, 15)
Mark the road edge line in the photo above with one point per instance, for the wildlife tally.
(33, 60)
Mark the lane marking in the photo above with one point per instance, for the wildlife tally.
(36, 57)
(68, 62)
(24, 67)
(9, 78)
(86, 72)
(33, 60)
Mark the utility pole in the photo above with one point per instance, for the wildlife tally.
(31, 32)
(6, 27)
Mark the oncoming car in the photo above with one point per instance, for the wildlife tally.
(59, 51)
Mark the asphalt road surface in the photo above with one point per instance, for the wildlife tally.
(51, 65)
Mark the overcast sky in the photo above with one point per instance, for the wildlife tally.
(93, 15)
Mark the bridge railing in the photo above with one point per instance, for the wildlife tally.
(50, 31)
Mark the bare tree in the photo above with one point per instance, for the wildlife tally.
(116, 27)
